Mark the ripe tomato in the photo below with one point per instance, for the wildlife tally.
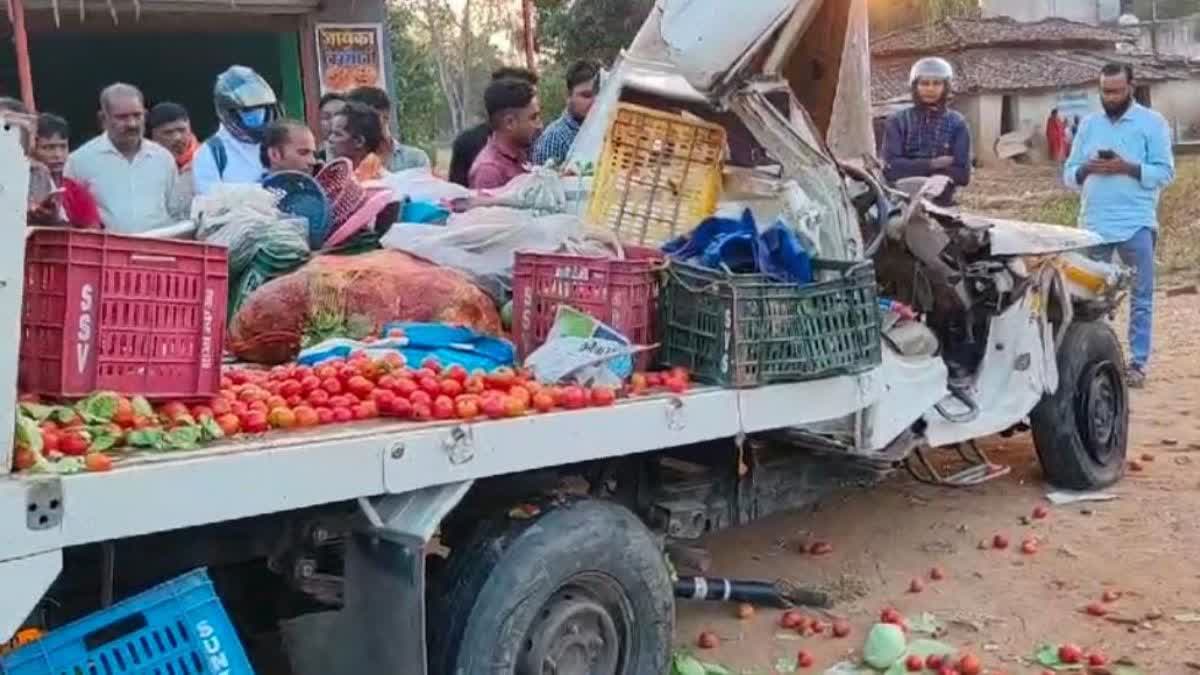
(457, 372)
(383, 398)
(518, 391)
(173, 409)
(325, 372)
(638, 384)
(306, 417)
(360, 411)
(493, 407)
(294, 401)
(502, 379)
(342, 415)
(431, 364)
(602, 396)
(431, 386)
(255, 422)
(421, 412)
(654, 379)
(515, 406)
(360, 386)
(543, 401)
(422, 373)
(282, 417)
(290, 388)
(400, 407)
(475, 384)
(574, 398)
(405, 386)
(325, 415)
(24, 459)
(98, 461)
(443, 408)
(318, 398)
(220, 406)
(387, 382)
(451, 387)
(230, 424)
(676, 385)
(276, 402)
(332, 385)
(73, 443)
(466, 408)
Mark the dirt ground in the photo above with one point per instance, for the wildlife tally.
(1001, 605)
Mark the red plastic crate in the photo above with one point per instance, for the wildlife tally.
(127, 314)
(621, 293)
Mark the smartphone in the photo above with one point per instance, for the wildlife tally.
(1107, 154)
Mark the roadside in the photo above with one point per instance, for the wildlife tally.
(1002, 605)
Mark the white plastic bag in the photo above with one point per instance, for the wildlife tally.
(420, 185)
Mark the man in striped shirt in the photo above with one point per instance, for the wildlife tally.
(554, 143)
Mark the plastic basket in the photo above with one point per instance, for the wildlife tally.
(622, 293)
(178, 627)
(745, 330)
(119, 313)
(659, 174)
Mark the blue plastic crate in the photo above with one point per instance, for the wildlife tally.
(175, 628)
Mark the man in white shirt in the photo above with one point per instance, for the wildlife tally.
(131, 177)
(246, 106)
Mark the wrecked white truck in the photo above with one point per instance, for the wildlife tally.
(391, 549)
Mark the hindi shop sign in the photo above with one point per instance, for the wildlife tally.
(349, 56)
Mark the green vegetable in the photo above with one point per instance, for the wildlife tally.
(99, 407)
(506, 315)
(37, 411)
(103, 439)
(66, 465)
(64, 416)
(151, 439)
(210, 430)
(142, 407)
(184, 438)
(885, 645)
(29, 435)
(686, 664)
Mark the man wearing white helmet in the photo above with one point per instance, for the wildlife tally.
(929, 139)
(246, 106)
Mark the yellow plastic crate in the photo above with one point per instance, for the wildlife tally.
(659, 175)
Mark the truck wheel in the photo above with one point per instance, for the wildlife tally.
(1081, 431)
(582, 589)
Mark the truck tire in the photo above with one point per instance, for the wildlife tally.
(581, 589)
(1081, 431)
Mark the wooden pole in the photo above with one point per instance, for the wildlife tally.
(527, 14)
(21, 44)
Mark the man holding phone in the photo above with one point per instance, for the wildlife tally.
(1120, 161)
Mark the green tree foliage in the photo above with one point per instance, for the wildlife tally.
(596, 29)
(420, 107)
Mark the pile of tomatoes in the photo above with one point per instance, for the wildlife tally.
(362, 388)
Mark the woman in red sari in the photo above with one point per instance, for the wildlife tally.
(1056, 137)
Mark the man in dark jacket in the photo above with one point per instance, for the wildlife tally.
(929, 139)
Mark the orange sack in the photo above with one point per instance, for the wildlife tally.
(369, 290)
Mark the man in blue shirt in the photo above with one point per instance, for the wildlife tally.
(556, 140)
(1121, 160)
(929, 139)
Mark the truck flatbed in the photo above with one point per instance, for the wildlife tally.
(239, 478)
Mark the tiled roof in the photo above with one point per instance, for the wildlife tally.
(950, 35)
(1017, 69)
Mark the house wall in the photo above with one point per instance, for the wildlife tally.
(1176, 37)
(1178, 102)
(1086, 11)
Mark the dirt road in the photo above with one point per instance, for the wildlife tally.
(1003, 604)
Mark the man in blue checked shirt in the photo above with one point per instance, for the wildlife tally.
(554, 143)
(929, 139)
(1120, 161)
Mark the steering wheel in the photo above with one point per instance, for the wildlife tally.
(875, 196)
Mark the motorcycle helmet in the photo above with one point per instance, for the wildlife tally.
(245, 103)
(932, 68)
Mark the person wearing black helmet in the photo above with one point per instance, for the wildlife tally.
(929, 139)
(246, 106)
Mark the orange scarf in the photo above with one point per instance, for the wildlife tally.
(184, 159)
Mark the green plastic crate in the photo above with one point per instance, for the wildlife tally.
(745, 330)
